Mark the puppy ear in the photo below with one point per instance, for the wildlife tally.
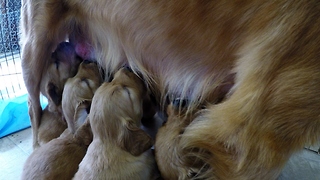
(54, 94)
(82, 111)
(135, 140)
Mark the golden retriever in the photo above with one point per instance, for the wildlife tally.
(189, 49)
(120, 149)
(59, 158)
(52, 125)
(79, 89)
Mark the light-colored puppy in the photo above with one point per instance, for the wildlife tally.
(52, 125)
(59, 158)
(189, 49)
(62, 64)
(120, 149)
(79, 89)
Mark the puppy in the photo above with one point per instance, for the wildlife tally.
(52, 125)
(188, 49)
(59, 158)
(62, 64)
(79, 89)
(120, 149)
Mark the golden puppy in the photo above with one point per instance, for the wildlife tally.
(62, 64)
(189, 49)
(59, 158)
(79, 89)
(120, 149)
(52, 125)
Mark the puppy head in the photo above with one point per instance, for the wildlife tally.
(131, 88)
(116, 113)
(62, 65)
(79, 89)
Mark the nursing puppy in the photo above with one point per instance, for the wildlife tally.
(59, 158)
(79, 89)
(61, 65)
(120, 149)
(64, 64)
(188, 49)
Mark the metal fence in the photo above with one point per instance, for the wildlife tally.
(11, 82)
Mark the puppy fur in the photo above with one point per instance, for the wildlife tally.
(52, 125)
(79, 89)
(120, 149)
(59, 158)
(188, 49)
(62, 64)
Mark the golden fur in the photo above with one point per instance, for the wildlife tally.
(62, 64)
(58, 159)
(78, 90)
(120, 149)
(167, 143)
(189, 49)
(52, 124)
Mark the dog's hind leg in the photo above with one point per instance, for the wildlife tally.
(272, 112)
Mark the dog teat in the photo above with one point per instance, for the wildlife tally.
(84, 50)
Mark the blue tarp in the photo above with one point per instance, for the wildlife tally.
(14, 115)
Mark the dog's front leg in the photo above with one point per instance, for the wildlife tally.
(41, 31)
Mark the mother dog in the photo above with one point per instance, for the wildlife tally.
(268, 50)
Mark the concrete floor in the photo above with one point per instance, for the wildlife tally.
(304, 165)
(14, 150)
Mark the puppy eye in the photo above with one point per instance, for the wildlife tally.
(56, 62)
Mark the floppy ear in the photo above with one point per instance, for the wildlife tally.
(54, 94)
(82, 111)
(135, 140)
